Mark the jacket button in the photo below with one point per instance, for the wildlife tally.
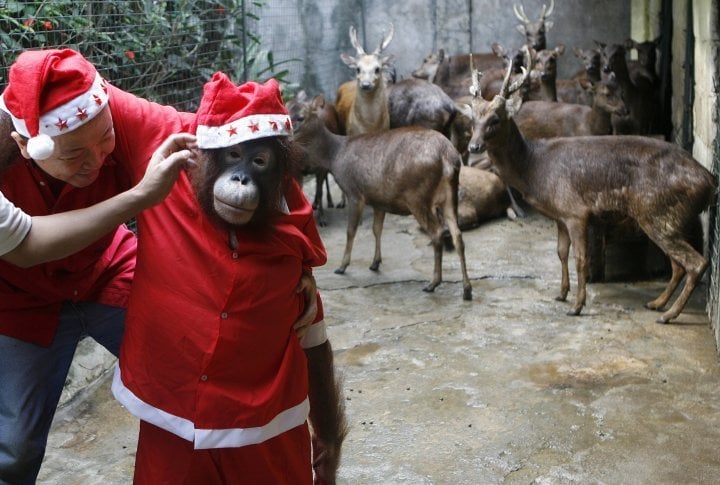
(203, 377)
(235, 255)
(223, 315)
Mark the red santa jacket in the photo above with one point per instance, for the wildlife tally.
(31, 298)
(209, 351)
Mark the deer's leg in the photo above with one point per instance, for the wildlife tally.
(317, 202)
(327, 187)
(695, 265)
(378, 220)
(341, 204)
(578, 237)
(451, 222)
(354, 214)
(563, 252)
(677, 275)
(431, 224)
(519, 212)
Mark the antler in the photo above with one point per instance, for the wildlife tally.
(385, 40)
(476, 75)
(547, 13)
(508, 89)
(354, 41)
(520, 13)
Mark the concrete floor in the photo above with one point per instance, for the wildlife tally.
(503, 389)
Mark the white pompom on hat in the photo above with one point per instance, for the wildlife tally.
(229, 114)
(51, 92)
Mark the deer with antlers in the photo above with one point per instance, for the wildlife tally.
(363, 106)
(534, 32)
(571, 180)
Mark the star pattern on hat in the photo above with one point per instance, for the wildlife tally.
(232, 131)
(288, 124)
(81, 113)
(273, 125)
(254, 127)
(62, 124)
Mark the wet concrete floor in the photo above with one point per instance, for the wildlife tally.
(502, 389)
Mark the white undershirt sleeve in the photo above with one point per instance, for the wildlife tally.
(14, 225)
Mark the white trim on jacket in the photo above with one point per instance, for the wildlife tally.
(208, 438)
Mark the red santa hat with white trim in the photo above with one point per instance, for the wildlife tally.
(229, 114)
(51, 92)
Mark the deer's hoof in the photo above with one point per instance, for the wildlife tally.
(574, 312)
(340, 271)
(375, 266)
(651, 305)
(430, 288)
(467, 294)
(661, 320)
(561, 298)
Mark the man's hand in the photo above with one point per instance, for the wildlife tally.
(172, 156)
(308, 287)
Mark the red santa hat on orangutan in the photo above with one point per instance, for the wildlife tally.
(50, 93)
(231, 114)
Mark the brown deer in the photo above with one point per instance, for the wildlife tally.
(401, 171)
(547, 119)
(362, 105)
(330, 118)
(637, 96)
(368, 110)
(653, 182)
(452, 73)
(534, 32)
(591, 60)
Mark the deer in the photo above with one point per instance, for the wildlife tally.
(547, 119)
(591, 60)
(492, 78)
(368, 109)
(406, 171)
(330, 117)
(362, 104)
(417, 102)
(637, 96)
(534, 32)
(451, 72)
(482, 195)
(572, 179)
(644, 69)
(544, 73)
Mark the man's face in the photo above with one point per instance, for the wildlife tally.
(79, 154)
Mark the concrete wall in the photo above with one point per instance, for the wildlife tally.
(422, 27)
(705, 124)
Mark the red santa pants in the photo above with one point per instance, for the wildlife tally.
(164, 458)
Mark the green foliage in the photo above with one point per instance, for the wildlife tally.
(160, 50)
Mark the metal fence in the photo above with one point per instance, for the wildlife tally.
(163, 51)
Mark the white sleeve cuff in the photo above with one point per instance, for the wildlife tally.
(316, 335)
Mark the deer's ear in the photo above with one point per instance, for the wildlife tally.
(549, 24)
(318, 102)
(521, 28)
(349, 60)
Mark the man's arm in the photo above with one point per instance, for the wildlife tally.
(59, 235)
(327, 413)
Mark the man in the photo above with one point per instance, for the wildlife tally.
(26, 241)
(78, 141)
